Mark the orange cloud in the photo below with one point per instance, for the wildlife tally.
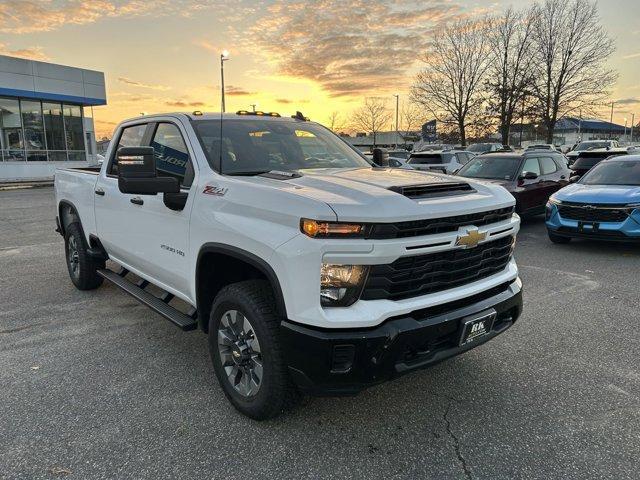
(135, 83)
(349, 48)
(31, 53)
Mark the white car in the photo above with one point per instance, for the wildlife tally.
(445, 161)
(310, 270)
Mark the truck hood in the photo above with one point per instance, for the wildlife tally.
(578, 192)
(364, 194)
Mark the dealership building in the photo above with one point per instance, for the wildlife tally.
(46, 117)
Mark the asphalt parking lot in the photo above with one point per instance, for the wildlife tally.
(96, 386)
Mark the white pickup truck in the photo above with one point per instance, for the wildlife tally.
(311, 270)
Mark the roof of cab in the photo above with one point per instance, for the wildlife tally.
(240, 115)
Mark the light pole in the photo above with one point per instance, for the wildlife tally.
(397, 102)
(224, 56)
(625, 130)
(633, 119)
(535, 129)
(253, 106)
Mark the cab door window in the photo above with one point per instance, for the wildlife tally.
(130, 137)
(172, 155)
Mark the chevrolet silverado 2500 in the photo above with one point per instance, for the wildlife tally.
(311, 270)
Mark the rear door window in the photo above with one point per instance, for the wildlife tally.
(130, 137)
(531, 165)
(172, 155)
(548, 165)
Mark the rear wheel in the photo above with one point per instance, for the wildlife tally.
(244, 344)
(81, 266)
(555, 238)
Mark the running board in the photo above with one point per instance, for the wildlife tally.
(159, 305)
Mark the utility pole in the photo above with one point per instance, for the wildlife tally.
(521, 121)
(397, 103)
(253, 106)
(611, 120)
(224, 56)
(580, 127)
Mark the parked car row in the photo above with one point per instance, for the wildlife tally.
(596, 196)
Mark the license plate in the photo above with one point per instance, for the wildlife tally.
(476, 327)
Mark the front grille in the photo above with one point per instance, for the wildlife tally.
(431, 226)
(419, 275)
(594, 213)
(434, 190)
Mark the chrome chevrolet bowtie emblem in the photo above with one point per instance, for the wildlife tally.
(471, 238)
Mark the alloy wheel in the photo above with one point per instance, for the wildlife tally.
(240, 354)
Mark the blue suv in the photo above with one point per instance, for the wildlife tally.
(603, 205)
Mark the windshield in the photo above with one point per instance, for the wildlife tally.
(479, 147)
(251, 147)
(430, 159)
(588, 161)
(589, 145)
(491, 167)
(616, 172)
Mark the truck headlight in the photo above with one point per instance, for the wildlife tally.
(553, 200)
(316, 229)
(340, 285)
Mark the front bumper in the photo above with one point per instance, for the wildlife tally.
(627, 231)
(346, 361)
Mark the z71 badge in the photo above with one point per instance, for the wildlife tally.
(212, 190)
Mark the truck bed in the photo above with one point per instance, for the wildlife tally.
(75, 187)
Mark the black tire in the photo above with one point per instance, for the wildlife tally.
(557, 238)
(81, 266)
(252, 299)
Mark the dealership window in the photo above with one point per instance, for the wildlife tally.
(11, 130)
(33, 127)
(74, 131)
(54, 131)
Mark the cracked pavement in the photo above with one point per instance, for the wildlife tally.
(95, 386)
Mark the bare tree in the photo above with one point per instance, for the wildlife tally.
(450, 86)
(572, 49)
(411, 118)
(371, 117)
(509, 77)
(335, 122)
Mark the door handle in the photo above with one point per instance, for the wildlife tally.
(99, 191)
(137, 201)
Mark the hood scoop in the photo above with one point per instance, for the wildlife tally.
(433, 190)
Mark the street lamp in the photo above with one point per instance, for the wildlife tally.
(397, 101)
(224, 56)
(625, 129)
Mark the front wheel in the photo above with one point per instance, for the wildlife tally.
(244, 344)
(555, 238)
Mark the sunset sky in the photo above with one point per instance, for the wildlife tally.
(313, 56)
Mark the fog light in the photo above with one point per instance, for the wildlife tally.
(340, 285)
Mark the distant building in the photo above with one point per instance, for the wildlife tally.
(46, 117)
(364, 142)
(571, 130)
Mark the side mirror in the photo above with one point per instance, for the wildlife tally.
(528, 176)
(137, 173)
(574, 178)
(381, 157)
